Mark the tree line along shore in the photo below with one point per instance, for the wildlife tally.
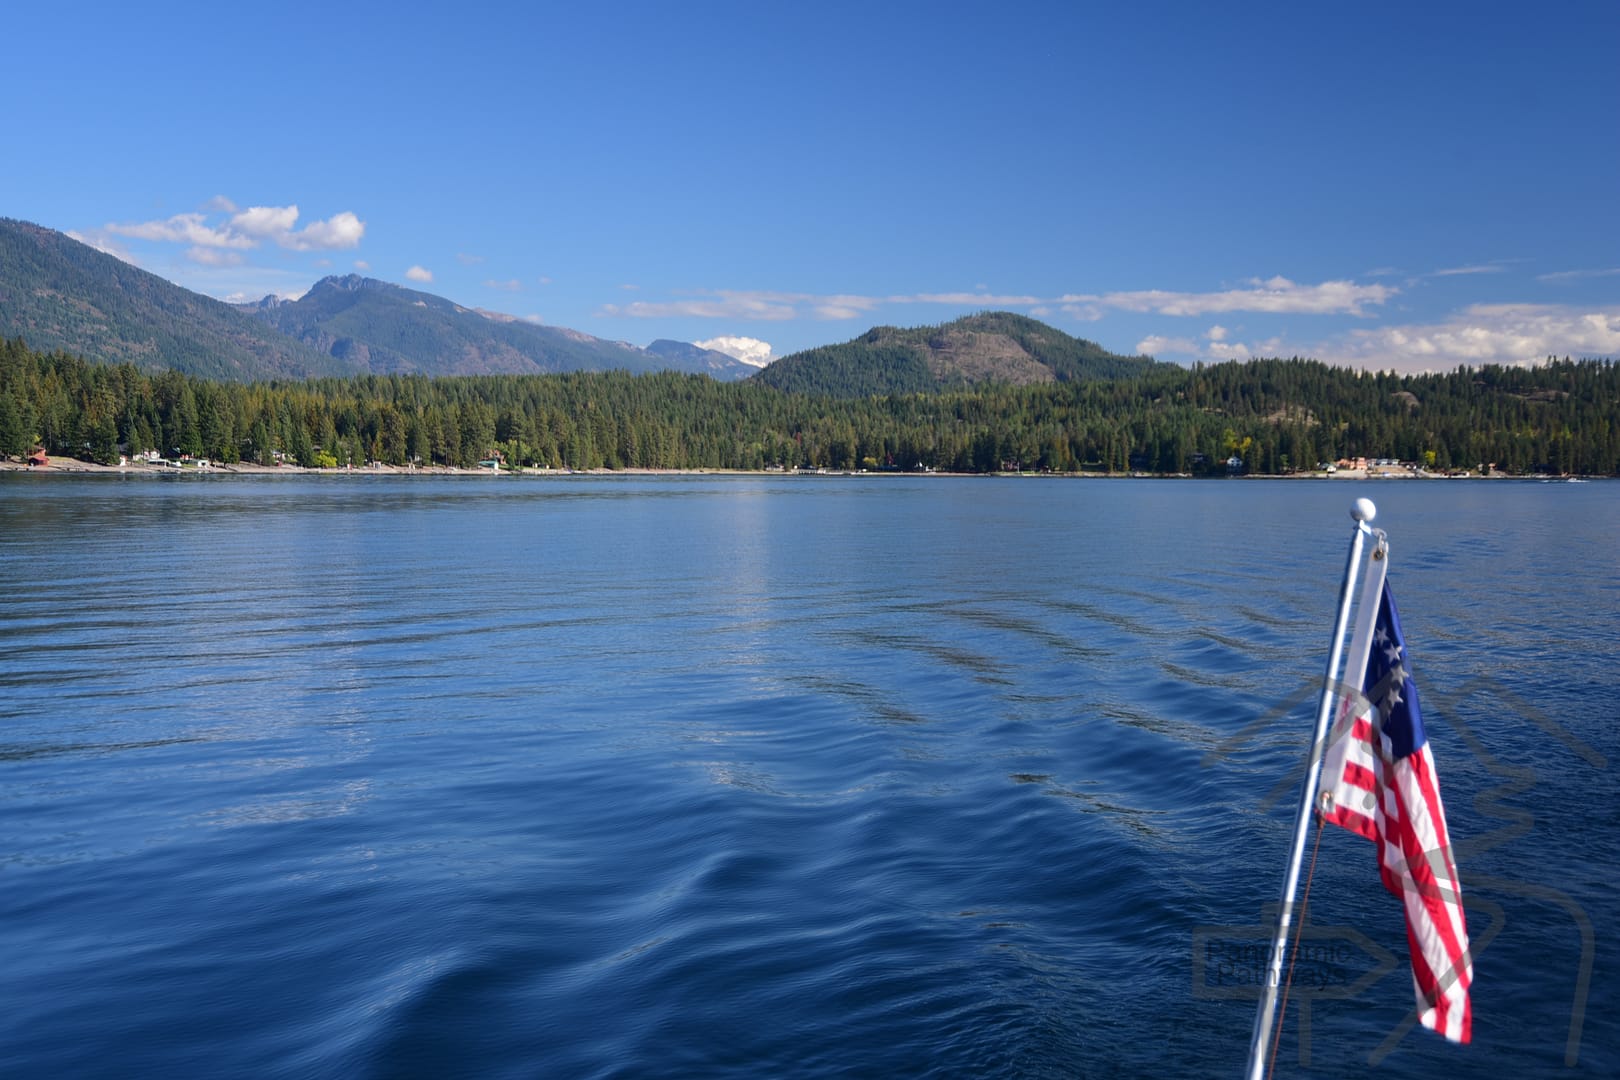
(1273, 417)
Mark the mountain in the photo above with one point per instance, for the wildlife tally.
(991, 347)
(57, 293)
(374, 326)
(683, 356)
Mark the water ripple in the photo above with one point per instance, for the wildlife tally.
(684, 777)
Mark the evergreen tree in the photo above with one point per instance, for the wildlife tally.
(16, 427)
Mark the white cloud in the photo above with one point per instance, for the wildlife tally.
(1084, 311)
(1482, 268)
(511, 285)
(1575, 275)
(842, 307)
(183, 229)
(766, 306)
(266, 221)
(361, 264)
(1277, 295)
(212, 256)
(749, 350)
(724, 305)
(985, 300)
(1221, 348)
(732, 308)
(468, 260)
(246, 229)
(1156, 344)
(419, 273)
(1508, 334)
(1483, 334)
(342, 230)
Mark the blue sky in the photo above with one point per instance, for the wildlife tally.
(1407, 186)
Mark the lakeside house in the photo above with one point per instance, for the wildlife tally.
(38, 459)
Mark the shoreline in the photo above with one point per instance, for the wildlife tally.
(70, 466)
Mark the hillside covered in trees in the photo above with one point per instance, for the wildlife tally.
(991, 347)
(60, 294)
(1277, 415)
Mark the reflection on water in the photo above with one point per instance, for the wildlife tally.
(750, 776)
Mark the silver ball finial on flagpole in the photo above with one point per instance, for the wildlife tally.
(1363, 510)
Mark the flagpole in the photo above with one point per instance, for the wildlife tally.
(1362, 511)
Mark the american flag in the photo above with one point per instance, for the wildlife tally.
(1379, 782)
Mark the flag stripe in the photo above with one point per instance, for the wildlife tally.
(1419, 873)
(1354, 776)
(1379, 782)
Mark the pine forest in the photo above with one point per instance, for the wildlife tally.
(1270, 416)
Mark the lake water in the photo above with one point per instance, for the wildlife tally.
(740, 776)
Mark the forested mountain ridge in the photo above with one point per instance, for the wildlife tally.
(100, 356)
(57, 293)
(997, 347)
(381, 328)
(1277, 416)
